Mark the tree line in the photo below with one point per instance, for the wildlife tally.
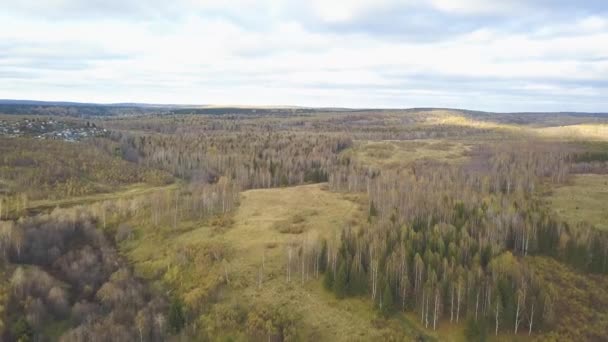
(252, 160)
(447, 241)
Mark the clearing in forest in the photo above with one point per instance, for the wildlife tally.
(399, 154)
(215, 265)
(127, 192)
(219, 261)
(584, 200)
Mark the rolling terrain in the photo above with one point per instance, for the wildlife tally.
(305, 224)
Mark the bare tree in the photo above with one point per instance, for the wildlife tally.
(521, 300)
(497, 312)
(289, 264)
(531, 320)
(141, 320)
(436, 310)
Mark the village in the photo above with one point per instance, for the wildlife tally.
(49, 129)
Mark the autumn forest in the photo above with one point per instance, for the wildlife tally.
(292, 224)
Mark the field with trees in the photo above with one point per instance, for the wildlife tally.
(289, 224)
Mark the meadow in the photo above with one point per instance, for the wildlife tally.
(583, 201)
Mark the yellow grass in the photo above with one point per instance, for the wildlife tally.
(252, 236)
(582, 131)
(127, 192)
(441, 117)
(324, 214)
(398, 154)
(598, 132)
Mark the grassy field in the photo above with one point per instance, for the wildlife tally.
(562, 131)
(597, 132)
(442, 117)
(398, 154)
(585, 200)
(127, 192)
(215, 265)
(320, 212)
(219, 261)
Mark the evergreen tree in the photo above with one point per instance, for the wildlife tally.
(598, 257)
(177, 318)
(341, 281)
(387, 300)
(22, 331)
(476, 330)
(323, 257)
(328, 280)
(357, 284)
(284, 180)
(373, 212)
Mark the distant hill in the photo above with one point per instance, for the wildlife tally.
(79, 109)
(82, 109)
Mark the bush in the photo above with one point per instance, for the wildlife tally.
(177, 319)
(387, 301)
(124, 232)
(476, 331)
(328, 280)
(22, 331)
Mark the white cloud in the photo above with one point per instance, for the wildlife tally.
(205, 57)
(344, 10)
(477, 6)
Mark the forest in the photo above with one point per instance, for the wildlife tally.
(280, 224)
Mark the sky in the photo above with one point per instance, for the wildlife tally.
(516, 55)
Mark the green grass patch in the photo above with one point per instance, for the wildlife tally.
(585, 200)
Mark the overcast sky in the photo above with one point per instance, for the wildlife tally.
(537, 55)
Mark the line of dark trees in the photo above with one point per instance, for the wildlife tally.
(448, 241)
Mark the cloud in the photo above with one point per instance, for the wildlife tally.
(504, 56)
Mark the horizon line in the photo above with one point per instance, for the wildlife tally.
(246, 106)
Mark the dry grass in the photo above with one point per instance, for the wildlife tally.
(598, 132)
(398, 154)
(193, 260)
(577, 132)
(441, 117)
(584, 200)
(317, 213)
(130, 191)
